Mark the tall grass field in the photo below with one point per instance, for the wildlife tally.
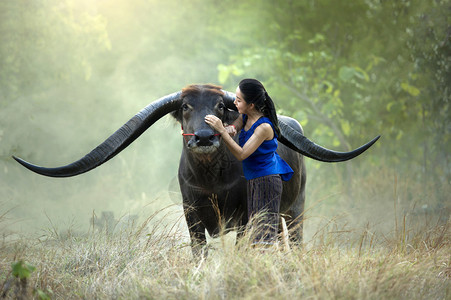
(408, 257)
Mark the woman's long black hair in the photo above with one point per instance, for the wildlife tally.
(254, 92)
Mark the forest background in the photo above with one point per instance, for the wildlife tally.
(72, 72)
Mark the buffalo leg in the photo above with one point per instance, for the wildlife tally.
(196, 232)
(295, 221)
(294, 214)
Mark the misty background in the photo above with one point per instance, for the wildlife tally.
(73, 72)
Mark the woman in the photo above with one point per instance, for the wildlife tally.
(262, 166)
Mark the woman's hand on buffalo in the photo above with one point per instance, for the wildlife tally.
(215, 123)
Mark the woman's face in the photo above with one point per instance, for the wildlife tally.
(242, 106)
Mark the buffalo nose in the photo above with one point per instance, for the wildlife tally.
(204, 137)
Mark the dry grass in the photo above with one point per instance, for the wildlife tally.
(406, 255)
(154, 262)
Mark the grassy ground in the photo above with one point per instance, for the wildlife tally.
(389, 239)
(153, 261)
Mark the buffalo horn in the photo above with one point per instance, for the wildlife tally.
(117, 142)
(297, 142)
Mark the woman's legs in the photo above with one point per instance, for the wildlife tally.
(264, 195)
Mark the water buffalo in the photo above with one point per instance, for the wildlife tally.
(211, 179)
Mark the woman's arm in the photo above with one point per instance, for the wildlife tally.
(236, 126)
(238, 123)
(261, 133)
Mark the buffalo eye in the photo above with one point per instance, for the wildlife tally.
(185, 107)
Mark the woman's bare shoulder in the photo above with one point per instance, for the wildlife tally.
(265, 129)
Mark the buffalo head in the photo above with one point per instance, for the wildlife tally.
(197, 101)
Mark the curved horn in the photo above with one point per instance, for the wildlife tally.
(117, 142)
(296, 141)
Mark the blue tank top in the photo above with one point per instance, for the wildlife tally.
(265, 160)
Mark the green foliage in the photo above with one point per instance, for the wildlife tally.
(35, 41)
(352, 70)
(22, 270)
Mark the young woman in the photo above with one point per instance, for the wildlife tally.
(263, 167)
